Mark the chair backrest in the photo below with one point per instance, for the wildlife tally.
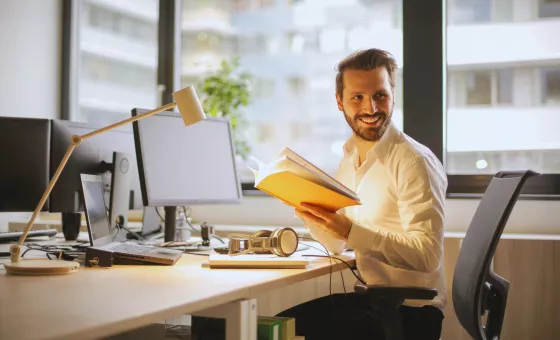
(475, 288)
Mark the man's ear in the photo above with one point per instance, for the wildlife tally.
(339, 103)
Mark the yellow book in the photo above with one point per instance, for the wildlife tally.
(294, 180)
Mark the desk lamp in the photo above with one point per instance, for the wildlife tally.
(191, 111)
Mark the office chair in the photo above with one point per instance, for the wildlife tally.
(476, 289)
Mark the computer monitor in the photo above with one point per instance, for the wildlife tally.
(93, 156)
(185, 165)
(24, 174)
(88, 158)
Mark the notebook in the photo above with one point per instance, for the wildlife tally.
(261, 261)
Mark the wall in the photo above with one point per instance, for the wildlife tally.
(30, 36)
(532, 217)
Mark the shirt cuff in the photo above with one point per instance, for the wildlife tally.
(361, 239)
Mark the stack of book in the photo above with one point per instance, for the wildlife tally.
(276, 328)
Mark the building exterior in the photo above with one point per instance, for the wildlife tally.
(503, 84)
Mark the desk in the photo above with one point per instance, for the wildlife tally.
(97, 302)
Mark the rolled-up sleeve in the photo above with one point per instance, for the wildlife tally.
(421, 186)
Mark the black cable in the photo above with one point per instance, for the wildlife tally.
(159, 214)
(341, 260)
(187, 219)
(341, 276)
(50, 250)
(330, 262)
(120, 226)
(219, 239)
(140, 238)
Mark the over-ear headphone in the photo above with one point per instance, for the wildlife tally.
(281, 242)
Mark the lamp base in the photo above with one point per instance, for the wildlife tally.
(41, 267)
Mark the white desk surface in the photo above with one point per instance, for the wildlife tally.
(97, 302)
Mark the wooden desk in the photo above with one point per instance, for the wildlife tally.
(96, 302)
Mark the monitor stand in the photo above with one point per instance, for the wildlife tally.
(119, 201)
(71, 224)
(170, 223)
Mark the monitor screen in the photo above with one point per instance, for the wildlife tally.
(24, 174)
(181, 165)
(95, 210)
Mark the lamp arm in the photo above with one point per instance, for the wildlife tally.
(15, 250)
(129, 120)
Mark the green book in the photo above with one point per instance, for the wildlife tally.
(268, 329)
(288, 328)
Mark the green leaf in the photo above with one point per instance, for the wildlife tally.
(224, 94)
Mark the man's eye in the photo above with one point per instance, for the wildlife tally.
(381, 96)
(357, 97)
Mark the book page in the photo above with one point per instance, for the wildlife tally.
(288, 164)
(262, 170)
(287, 152)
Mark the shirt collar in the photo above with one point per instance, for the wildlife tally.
(381, 149)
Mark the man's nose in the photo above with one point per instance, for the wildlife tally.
(370, 106)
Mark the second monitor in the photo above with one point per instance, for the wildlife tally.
(185, 165)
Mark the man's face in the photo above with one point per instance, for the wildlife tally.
(367, 102)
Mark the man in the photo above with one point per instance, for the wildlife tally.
(397, 231)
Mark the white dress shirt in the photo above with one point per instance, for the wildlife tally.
(397, 231)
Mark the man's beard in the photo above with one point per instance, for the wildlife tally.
(369, 133)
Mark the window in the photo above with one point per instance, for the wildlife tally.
(481, 87)
(291, 54)
(551, 87)
(296, 86)
(469, 11)
(549, 8)
(117, 59)
(499, 114)
(249, 5)
(501, 99)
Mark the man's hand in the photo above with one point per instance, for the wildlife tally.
(336, 225)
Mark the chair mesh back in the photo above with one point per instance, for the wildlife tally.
(479, 245)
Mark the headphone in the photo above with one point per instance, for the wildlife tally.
(282, 242)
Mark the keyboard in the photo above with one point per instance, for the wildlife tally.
(131, 249)
(15, 235)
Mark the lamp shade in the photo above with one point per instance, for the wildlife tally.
(189, 106)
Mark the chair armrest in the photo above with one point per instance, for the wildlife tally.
(395, 293)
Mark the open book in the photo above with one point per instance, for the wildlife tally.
(294, 180)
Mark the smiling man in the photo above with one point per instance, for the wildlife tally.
(397, 232)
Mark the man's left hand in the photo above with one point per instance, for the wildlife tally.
(337, 225)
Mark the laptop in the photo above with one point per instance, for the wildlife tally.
(151, 224)
(101, 236)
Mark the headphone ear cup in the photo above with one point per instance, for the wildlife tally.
(287, 242)
(278, 249)
(262, 233)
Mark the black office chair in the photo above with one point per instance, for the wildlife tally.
(475, 288)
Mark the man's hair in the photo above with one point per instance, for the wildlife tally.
(367, 60)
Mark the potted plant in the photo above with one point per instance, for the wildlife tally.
(224, 94)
